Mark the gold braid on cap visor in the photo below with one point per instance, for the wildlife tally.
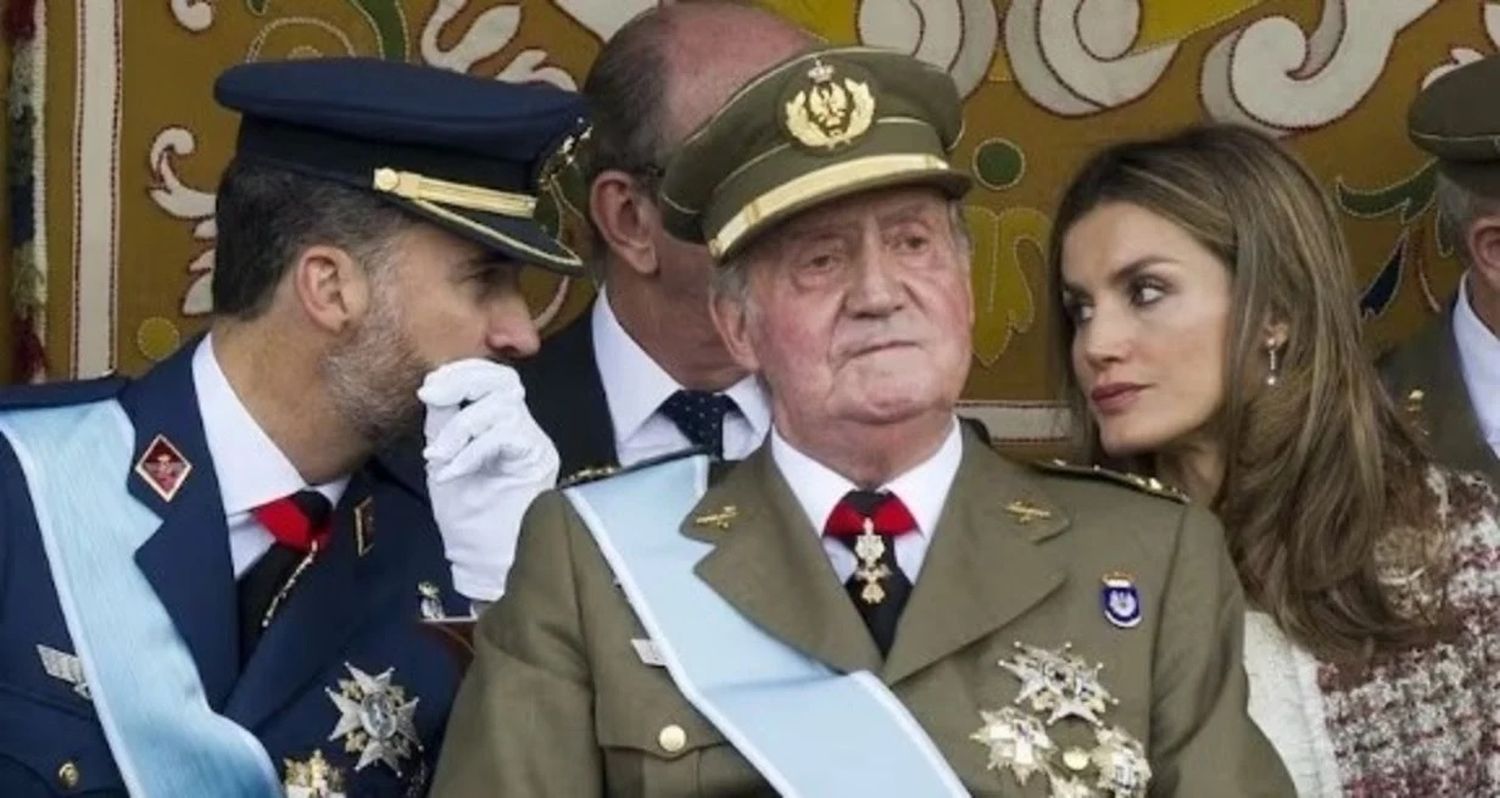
(816, 184)
(420, 188)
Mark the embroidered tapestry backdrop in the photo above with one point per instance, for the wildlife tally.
(114, 144)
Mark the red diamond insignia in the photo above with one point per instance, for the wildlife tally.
(163, 467)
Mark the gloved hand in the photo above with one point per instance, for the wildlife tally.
(486, 461)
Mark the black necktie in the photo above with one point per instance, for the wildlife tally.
(700, 417)
(889, 518)
(259, 585)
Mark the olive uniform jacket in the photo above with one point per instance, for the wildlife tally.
(558, 702)
(1425, 378)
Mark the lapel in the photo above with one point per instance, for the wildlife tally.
(566, 397)
(1447, 409)
(983, 568)
(770, 565)
(322, 610)
(186, 560)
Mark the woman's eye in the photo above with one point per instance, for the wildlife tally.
(1079, 312)
(1146, 294)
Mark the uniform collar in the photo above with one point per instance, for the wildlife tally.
(250, 468)
(923, 489)
(637, 384)
(1479, 359)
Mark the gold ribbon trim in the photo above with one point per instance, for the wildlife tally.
(815, 184)
(420, 188)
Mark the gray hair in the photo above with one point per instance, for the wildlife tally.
(731, 279)
(1458, 209)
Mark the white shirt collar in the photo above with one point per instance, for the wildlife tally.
(622, 362)
(1479, 359)
(923, 489)
(636, 385)
(251, 470)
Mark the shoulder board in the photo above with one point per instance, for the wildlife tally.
(1150, 485)
(53, 394)
(595, 473)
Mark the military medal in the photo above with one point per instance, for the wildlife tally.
(1018, 742)
(1124, 771)
(1058, 686)
(375, 719)
(869, 548)
(314, 778)
(431, 604)
(1122, 602)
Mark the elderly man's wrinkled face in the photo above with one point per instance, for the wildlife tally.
(857, 311)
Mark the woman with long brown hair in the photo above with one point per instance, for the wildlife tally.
(1207, 309)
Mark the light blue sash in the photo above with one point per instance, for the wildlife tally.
(808, 730)
(165, 738)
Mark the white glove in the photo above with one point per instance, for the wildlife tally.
(486, 462)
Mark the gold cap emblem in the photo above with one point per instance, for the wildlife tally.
(831, 112)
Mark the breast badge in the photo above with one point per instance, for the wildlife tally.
(375, 720)
(1122, 602)
(1058, 687)
(314, 778)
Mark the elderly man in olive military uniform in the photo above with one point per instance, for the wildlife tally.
(1448, 375)
(875, 602)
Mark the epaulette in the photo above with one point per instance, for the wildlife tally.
(584, 476)
(1150, 485)
(56, 394)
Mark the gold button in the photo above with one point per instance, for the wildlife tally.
(672, 738)
(386, 179)
(67, 775)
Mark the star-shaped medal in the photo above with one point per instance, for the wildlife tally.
(1059, 684)
(375, 719)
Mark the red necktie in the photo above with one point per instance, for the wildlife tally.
(887, 511)
(298, 521)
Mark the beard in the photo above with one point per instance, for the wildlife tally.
(373, 377)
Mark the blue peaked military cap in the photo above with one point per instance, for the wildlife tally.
(460, 151)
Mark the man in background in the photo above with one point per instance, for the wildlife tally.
(1448, 375)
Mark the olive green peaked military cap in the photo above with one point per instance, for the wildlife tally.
(828, 123)
(1457, 119)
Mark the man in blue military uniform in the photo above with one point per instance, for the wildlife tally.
(210, 583)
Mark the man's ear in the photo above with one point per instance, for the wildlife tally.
(331, 287)
(1483, 240)
(625, 220)
(732, 319)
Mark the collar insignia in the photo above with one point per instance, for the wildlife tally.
(163, 467)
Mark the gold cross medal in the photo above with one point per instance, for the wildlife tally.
(314, 778)
(869, 548)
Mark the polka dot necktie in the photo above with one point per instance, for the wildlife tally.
(700, 417)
